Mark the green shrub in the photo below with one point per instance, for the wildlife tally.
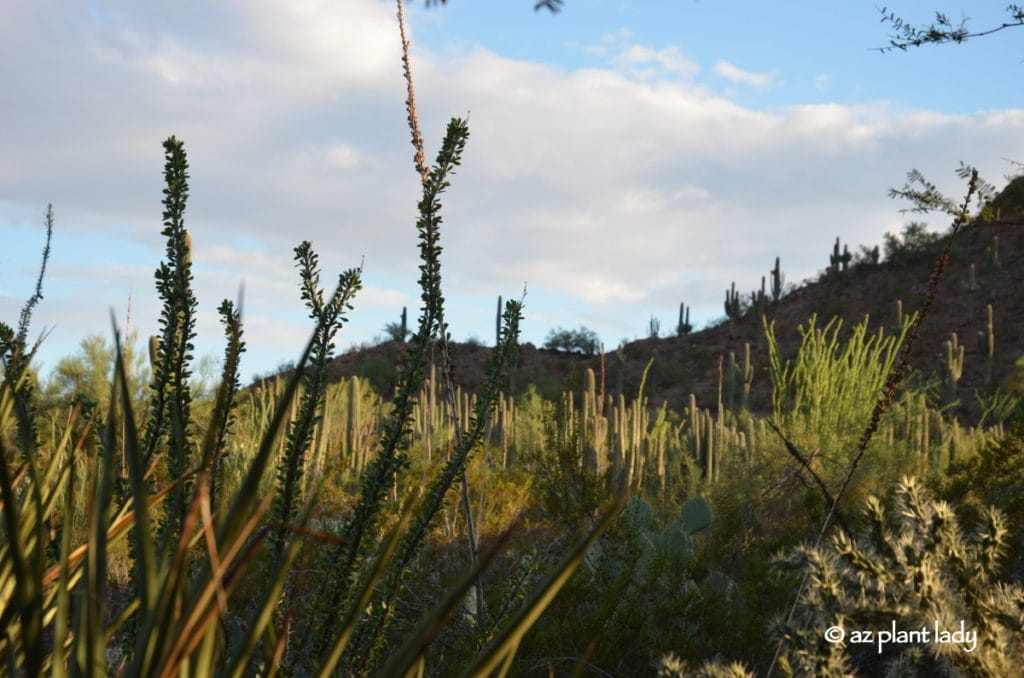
(581, 341)
(379, 371)
(913, 242)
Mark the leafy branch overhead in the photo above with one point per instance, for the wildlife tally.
(942, 30)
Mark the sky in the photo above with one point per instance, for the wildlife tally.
(623, 157)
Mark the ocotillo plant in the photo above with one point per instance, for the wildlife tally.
(15, 357)
(392, 457)
(329, 316)
(169, 418)
(224, 416)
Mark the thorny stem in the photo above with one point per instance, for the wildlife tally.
(424, 172)
(419, 157)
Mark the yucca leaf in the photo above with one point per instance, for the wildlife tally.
(26, 599)
(145, 555)
(60, 629)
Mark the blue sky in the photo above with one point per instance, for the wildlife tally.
(623, 157)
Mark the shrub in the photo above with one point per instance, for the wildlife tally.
(380, 372)
(915, 241)
(581, 340)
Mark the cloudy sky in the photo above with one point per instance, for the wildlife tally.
(623, 156)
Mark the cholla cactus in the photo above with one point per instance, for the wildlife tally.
(671, 666)
(914, 568)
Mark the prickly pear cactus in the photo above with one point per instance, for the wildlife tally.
(696, 515)
(638, 514)
(675, 543)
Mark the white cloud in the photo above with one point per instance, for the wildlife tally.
(667, 60)
(736, 74)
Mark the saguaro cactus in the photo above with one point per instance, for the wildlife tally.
(497, 323)
(732, 303)
(733, 374)
(994, 251)
(759, 300)
(839, 262)
(748, 377)
(987, 344)
(653, 328)
(684, 326)
(778, 280)
(954, 366)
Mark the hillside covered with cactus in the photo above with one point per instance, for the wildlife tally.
(982, 274)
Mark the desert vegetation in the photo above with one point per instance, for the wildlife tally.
(372, 514)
